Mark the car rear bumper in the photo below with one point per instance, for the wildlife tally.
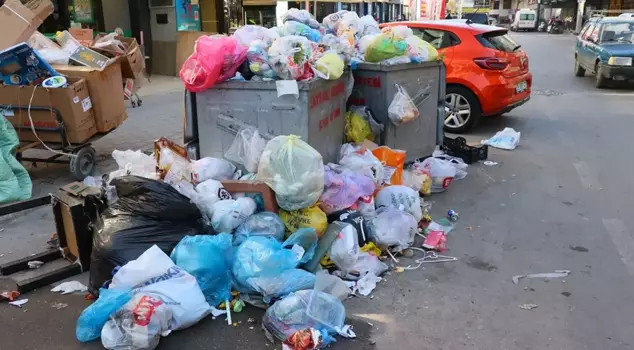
(618, 72)
(502, 97)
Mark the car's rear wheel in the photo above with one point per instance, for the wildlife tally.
(601, 81)
(579, 71)
(462, 109)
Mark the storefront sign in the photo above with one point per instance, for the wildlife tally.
(83, 11)
(187, 16)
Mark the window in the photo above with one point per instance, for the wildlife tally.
(588, 31)
(498, 40)
(594, 35)
(618, 31)
(527, 17)
(439, 39)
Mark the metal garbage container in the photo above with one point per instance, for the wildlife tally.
(374, 86)
(317, 115)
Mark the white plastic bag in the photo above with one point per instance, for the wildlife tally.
(249, 33)
(48, 50)
(212, 168)
(364, 162)
(402, 109)
(506, 139)
(207, 194)
(344, 250)
(154, 273)
(368, 25)
(442, 173)
(402, 198)
(138, 325)
(247, 148)
(392, 228)
(458, 163)
(229, 214)
(294, 170)
(367, 207)
(134, 163)
(288, 56)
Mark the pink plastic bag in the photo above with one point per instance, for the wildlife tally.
(215, 59)
(343, 188)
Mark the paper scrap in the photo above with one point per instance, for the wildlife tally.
(287, 87)
(18, 303)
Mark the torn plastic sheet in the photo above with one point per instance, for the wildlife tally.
(556, 274)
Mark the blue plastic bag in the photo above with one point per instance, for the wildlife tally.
(205, 258)
(281, 285)
(95, 316)
(260, 224)
(264, 256)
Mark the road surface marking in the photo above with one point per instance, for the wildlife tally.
(587, 178)
(622, 240)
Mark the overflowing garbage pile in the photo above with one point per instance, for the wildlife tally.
(178, 242)
(301, 49)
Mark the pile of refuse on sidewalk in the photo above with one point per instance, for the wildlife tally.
(301, 49)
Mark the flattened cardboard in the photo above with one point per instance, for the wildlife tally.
(17, 23)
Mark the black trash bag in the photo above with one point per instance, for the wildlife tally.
(148, 212)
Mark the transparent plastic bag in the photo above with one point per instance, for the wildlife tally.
(365, 42)
(229, 214)
(368, 25)
(301, 16)
(506, 139)
(402, 109)
(344, 251)
(48, 50)
(204, 257)
(392, 228)
(307, 309)
(340, 45)
(110, 42)
(442, 173)
(311, 217)
(261, 224)
(332, 285)
(282, 284)
(394, 61)
(419, 50)
(258, 58)
(133, 163)
(289, 56)
(95, 316)
(139, 325)
(383, 47)
(402, 198)
(399, 32)
(332, 21)
(210, 168)
(343, 188)
(300, 29)
(368, 263)
(247, 148)
(294, 170)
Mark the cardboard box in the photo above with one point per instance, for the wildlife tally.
(106, 93)
(73, 103)
(132, 62)
(42, 8)
(84, 36)
(17, 23)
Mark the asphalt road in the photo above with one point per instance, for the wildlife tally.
(561, 201)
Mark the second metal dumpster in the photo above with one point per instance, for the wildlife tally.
(317, 115)
(375, 86)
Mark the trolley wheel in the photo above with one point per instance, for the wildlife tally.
(133, 103)
(140, 102)
(83, 163)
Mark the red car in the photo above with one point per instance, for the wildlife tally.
(487, 72)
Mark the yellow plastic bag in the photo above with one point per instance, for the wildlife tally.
(312, 217)
(358, 128)
(330, 65)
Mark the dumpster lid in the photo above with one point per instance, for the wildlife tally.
(385, 68)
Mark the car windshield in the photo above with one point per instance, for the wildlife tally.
(481, 18)
(618, 32)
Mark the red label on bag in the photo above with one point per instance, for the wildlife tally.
(446, 182)
(144, 309)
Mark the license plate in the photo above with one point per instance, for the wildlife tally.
(521, 87)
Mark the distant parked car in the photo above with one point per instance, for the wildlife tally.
(605, 47)
(487, 72)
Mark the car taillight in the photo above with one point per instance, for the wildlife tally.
(491, 63)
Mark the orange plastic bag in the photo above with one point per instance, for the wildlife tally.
(393, 162)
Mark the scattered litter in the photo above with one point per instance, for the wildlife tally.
(70, 287)
(452, 215)
(528, 306)
(35, 264)
(252, 320)
(366, 284)
(436, 240)
(490, 163)
(556, 274)
(59, 306)
(238, 306)
(18, 303)
(506, 139)
(9, 295)
(429, 257)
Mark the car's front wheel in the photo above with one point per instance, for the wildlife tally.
(579, 71)
(462, 109)
(601, 80)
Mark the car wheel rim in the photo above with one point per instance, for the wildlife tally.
(457, 110)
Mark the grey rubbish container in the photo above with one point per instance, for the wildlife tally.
(374, 86)
(317, 115)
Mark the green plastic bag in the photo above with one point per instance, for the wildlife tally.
(15, 182)
(385, 47)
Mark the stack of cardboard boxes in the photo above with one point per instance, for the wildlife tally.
(91, 102)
